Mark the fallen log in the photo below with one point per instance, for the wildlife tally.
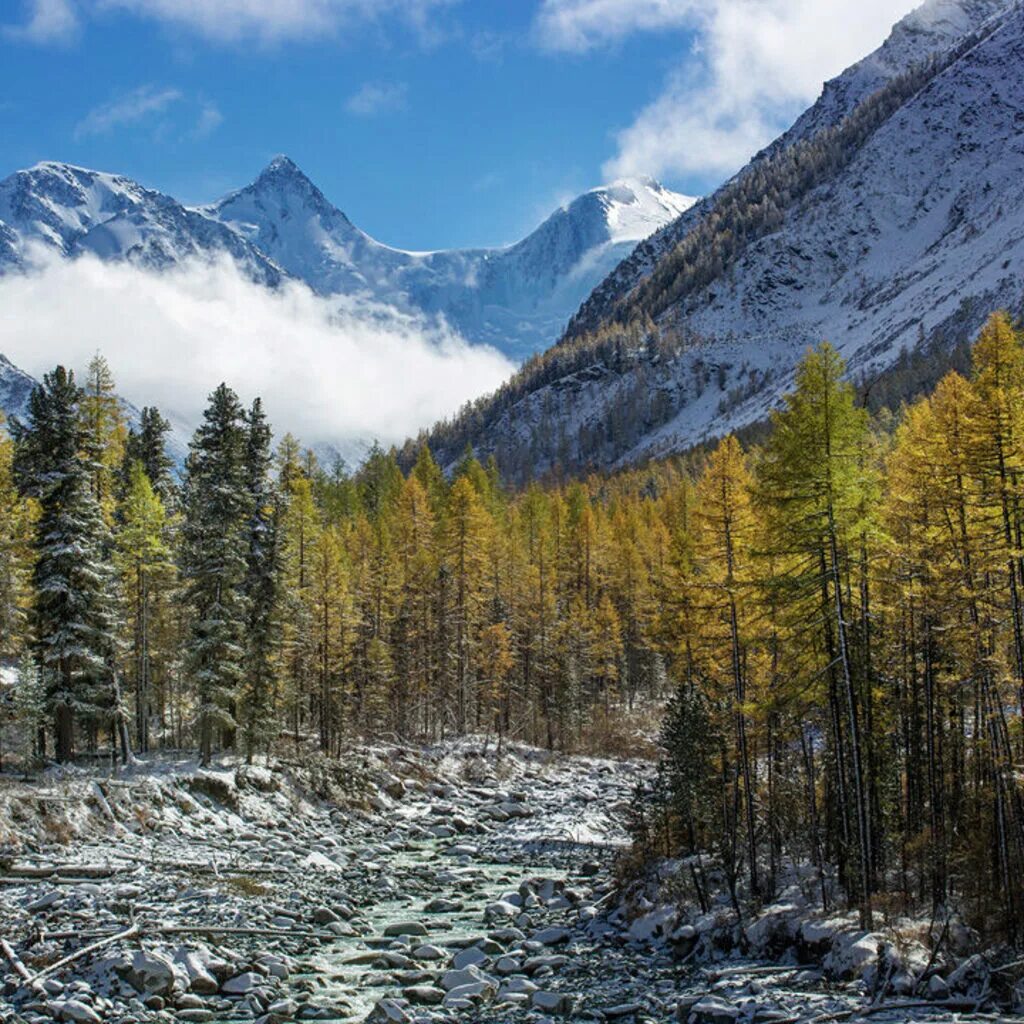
(19, 968)
(84, 951)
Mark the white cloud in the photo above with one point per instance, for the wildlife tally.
(583, 24)
(49, 21)
(275, 20)
(752, 65)
(328, 375)
(377, 98)
(127, 109)
(209, 120)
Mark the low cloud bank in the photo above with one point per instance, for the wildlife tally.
(333, 372)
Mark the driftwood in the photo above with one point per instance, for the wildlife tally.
(84, 951)
(198, 929)
(770, 969)
(962, 1005)
(19, 968)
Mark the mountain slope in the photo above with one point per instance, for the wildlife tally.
(517, 298)
(904, 221)
(933, 28)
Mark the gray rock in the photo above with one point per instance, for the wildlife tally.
(712, 1010)
(472, 957)
(75, 1010)
(151, 973)
(552, 1002)
(405, 928)
(455, 979)
(429, 952)
(551, 936)
(428, 995)
(621, 1010)
(199, 975)
(389, 1011)
(242, 984)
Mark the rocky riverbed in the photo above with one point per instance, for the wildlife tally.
(397, 886)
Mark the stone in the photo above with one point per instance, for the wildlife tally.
(200, 978)
(428, 995)
(405, 928)
(469, 958)
(712, 1010)
(521, 986)
(151, 973)
(551, 1002)
(429, 953)
(388, 1011)
(324, 915)
(242, 984)
(439, 905)
(454, 979)
(551, 936)
(499, 910)
(937, 988)
(621, 1010)
(77, 1011)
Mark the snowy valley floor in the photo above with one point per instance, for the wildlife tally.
(399, 885)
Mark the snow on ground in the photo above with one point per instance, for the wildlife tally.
(402, 885)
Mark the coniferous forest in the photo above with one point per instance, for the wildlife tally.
(834, 618)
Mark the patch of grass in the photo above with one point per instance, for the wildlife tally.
(246, 886)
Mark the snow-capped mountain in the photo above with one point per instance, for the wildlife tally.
(933, 28)
(517, 298)
(73, 210)
(900, 221)
(16, 387)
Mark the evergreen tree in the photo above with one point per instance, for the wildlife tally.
(214, 564)
(148, 446)
(262, 581)
(73, 621)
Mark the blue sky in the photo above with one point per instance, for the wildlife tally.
(432, 123)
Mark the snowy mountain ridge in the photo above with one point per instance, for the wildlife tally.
(911, 226)
(931, 29)
(517, 298)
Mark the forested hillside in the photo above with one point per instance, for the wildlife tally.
(838, 614)
(887, 222)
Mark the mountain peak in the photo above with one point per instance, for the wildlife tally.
(282, 164)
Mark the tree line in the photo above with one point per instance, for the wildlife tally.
(847, 642)
(837, 614)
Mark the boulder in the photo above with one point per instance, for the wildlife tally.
(551, 1002)
(712, 1010)
(151, 973)
(242, 984)
(405, 928)
(428, 995)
